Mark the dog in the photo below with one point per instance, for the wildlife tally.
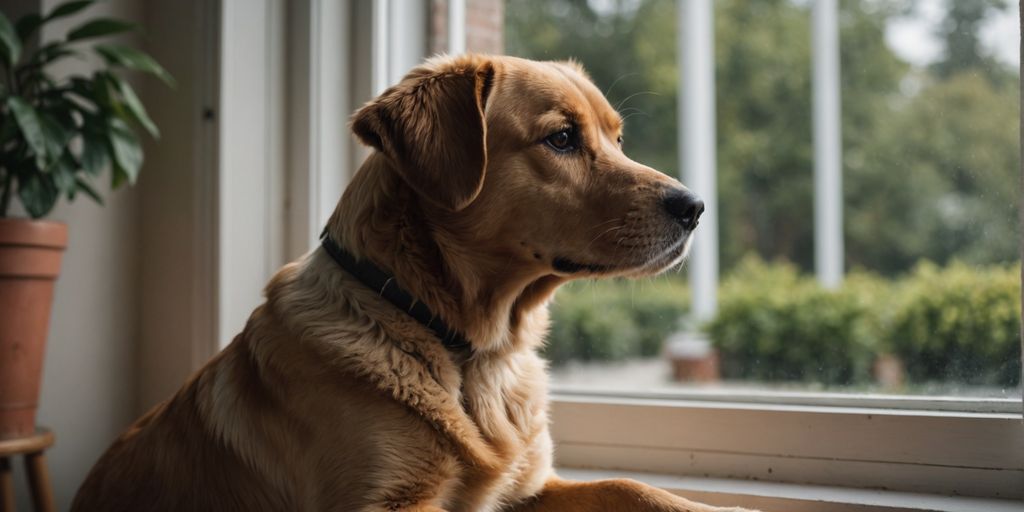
(396, 367)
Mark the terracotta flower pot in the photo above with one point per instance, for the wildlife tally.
(30, 253)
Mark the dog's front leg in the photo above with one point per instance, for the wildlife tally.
(612, 496)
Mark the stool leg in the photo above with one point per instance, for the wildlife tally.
(39, 481)
(6, 486)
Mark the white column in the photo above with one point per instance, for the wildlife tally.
(250, 186)
(697, 145)
(456, 27)
(408, 37)
(399, 40)
(319, 66)
(828, 179)
(380, 67)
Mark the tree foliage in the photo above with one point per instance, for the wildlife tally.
(930, 155)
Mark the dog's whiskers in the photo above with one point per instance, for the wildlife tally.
(631, 96)
(599, 235)
(612, 86)
(635, 113)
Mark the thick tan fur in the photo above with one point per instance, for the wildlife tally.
(332, 399)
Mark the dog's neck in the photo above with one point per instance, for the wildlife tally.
(481, 295)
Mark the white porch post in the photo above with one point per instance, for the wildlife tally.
(828, 179)
(696, 55)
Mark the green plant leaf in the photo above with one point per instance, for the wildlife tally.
(128, 57)
(135, 107)
(8, 129)
(63, 171)
(85, 90)
(126, 150)
(31, 128)
(84, 186)
(38, 193)
(49, 53)
(99, 28)
(10, 45)
(95, 155)
(55, 137)
(27, 25)
(68, 8)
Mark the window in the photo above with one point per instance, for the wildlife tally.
(904, 372)
(903, 377)
(928, 114)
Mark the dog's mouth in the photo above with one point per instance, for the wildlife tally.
(568, 266)
(652, 264)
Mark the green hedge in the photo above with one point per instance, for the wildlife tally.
(953, 325)
(615, 319)
(775, 325)
(959, 324)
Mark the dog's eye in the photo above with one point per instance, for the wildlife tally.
(620, 141)
(562, 141)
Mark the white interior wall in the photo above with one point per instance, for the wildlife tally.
(179, 187)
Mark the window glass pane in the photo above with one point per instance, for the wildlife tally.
(930, 161)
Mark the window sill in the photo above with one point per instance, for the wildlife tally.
(772, 496)
(912, 451)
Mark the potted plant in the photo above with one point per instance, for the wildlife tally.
(57, 135)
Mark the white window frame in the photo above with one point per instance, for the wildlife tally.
(908, 449)
(926, 445)
(936, 445)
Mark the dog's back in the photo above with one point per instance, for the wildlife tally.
(270, 424)
(171, 448)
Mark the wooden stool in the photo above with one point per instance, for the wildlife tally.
(32, 447)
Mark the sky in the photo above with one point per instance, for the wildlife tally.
(912, 37)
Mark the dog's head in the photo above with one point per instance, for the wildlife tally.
(522, 161)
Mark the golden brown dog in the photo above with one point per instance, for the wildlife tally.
(494, 181)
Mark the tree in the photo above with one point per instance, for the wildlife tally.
(960, 32)
(929, 155)
(629, 52)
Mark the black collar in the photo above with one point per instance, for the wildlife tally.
(376, 279)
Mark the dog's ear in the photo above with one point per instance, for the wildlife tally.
(432, 128)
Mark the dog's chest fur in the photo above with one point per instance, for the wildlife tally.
(464, 435)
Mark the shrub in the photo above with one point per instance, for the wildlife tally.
(959, 324)
(775, 325)
(615, 319)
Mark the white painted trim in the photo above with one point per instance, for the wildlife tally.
(807, 398)
(797, 497)
(1020, 210)
(380, 67)
(250, 187)
(319, 102)
(407, 37)
(204, 306)
(969, 454)
(456, 27)
(179, 248)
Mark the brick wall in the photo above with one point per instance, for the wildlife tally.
(485, 24)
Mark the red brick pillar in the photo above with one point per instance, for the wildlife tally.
(485, 26)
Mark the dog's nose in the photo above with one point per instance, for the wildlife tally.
(684, 206)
